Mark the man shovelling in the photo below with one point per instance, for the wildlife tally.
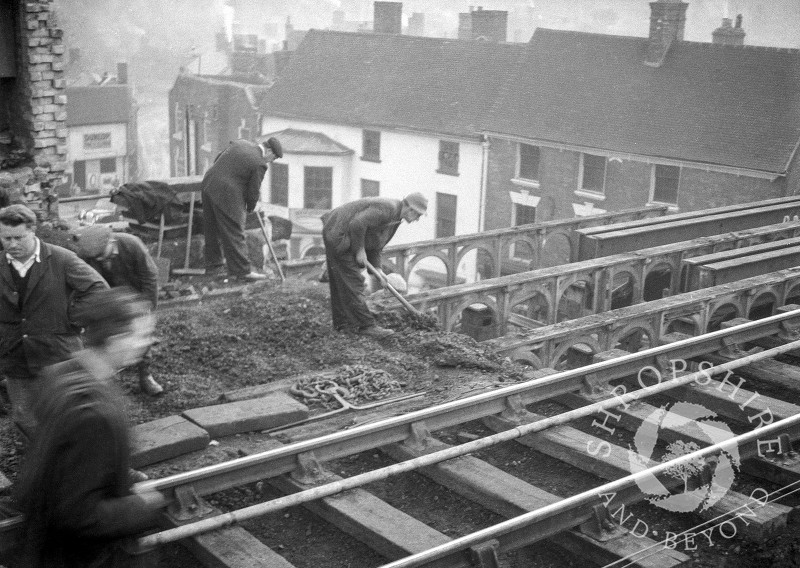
(355, 234)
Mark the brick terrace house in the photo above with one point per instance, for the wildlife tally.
(103, 138)
(406, 108)
(33, 133)
(207, 112)
(597, 122)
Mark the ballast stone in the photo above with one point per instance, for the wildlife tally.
(248, 415)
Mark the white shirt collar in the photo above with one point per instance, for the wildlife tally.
(36, 256)
(23, 267)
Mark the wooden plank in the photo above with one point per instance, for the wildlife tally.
(234, 547)
(570, 445)
(371, 520)
(510, 496)
(779, 471)
(767, 371)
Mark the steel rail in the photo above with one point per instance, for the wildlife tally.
(253, 511)
(526, 520)
(271, 463)
(282, 460)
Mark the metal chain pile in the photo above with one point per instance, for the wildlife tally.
(354, 383)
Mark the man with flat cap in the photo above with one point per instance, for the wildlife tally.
(354, 233)
(122, 259)
(230, 190)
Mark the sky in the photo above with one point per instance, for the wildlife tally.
(156, 36)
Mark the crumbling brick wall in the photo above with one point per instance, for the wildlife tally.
(33, 143)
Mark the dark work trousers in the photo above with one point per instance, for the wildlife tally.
(222, 228)
(346, 281)
(143, 366)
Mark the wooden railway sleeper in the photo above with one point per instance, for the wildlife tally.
(484, 555)
(309, 470)
(187, 506)
(785, 453)
(600, 526)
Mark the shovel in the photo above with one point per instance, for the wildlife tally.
(269, 244)
(378, 273)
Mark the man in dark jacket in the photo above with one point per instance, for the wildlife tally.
(230, 190)
(43, 293)
(74, 486)
(355, 233)
(123, 260)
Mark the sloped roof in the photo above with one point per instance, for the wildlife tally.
(736, 106)
(251, 87)
(98, 104)
(307, 142)
(437, 85)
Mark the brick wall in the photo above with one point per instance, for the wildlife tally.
(219, 106)
(627, 185)
(38, 105)
(701, 190)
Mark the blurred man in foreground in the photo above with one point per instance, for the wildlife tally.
(74, 487)
(123, 260)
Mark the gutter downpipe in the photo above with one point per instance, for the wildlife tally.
(484, 178)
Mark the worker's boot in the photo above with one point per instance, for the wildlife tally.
(149, 385)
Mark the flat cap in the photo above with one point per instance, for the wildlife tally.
(91, 241)
(417, 202)
(274, 144)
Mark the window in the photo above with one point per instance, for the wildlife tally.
(108, 165)
(524, 214)
(445, 215)
(594, 173)
(279, 184)
(666, 180)
(448, 158)
(371, 146)
(318, 187)
(528, 162)
(370, 188)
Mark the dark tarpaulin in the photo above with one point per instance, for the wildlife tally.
(145, 202)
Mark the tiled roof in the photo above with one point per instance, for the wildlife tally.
(736, 106)
(443, 86)
(307, 142)
(106, 104)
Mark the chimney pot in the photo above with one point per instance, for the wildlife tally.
(122, 73)
(738, 21)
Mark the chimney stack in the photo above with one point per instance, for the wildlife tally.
(489, 25)
(727, 34)
(122, 73)
(388, 18)
(416, 24)
(667, 22)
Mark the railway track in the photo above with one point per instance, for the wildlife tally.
(715, 414)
